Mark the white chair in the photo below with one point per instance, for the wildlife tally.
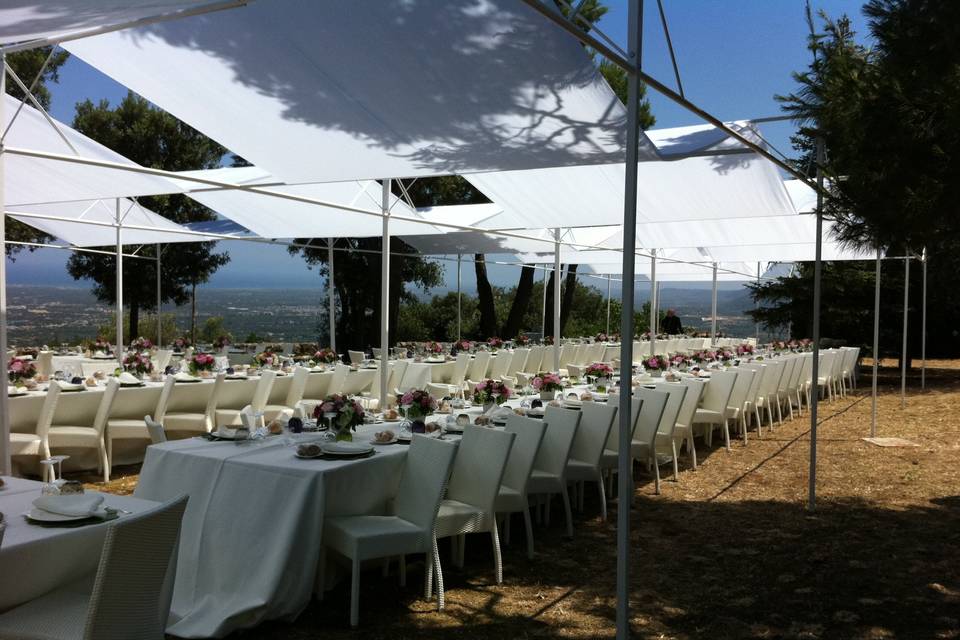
(356, 357)
(790, 364)
(185, 421)
(643, 446)
(468, 506)
(512, 497)
(408, 529)
(550, 466)
(609, 462)
(499, 365)
(130, 429)
(538, 359)
(155, 429)
(583, 465)
(163, 359)
(293, 398)
(753, 394)
(231, 417)
(716, 399)
(825, 374)
(36, 444)
(45, 364)
(455, 386)
(128, 597)
(370, 400)
(848, 370)
(478, 367)
(88, 436)
(793, 385)
(518, 362)
(768, 388)
(683, 430)
(737, 405)
(676, 393)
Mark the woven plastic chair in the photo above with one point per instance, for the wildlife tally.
(196, 422)
(409, 529)
(550, 466)
(586, 453)
(512, 497)
(294, 396)
(36, 444)
(155, 429)
(129, 598)
(716, 399)
(643, 444)
(88, 436)
(133, 429)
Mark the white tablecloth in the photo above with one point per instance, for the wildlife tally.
(35, 559)
(252, 531)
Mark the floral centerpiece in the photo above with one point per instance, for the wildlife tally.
(656, 365)
(201, 362)
(601, 337)
(179, 344)
(101, 344)
(222, 341)
(547, 384)
(19, 370)
(463, 345)
(494, 343)
(726, 356)
(141, 344)
(434, 348)
(679, 361)
(326, 356)
(341, 413)
(602, 373)
(778, 345)
(745, 349)
(490, 392)
(266, 359)
(416, 405)
(547, 340)
(703, 356)
(521, 340)
(137, 363)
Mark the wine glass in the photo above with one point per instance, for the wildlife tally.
(50, 488)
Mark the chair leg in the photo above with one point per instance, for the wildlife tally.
(603, 499)
(436, 560)
(726, 434)
(498, 561)
(355, 594)
(676, 467)
(692, 447)
(403, 570)
(109, 452)
(548, 498)
(656, 472)
(105, 463)
(743, 425)
(529, 527)
(756, 414)
(567, 511)
(506, 529)
(432, 561)
(461, 549)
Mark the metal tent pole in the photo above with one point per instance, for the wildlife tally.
(757, 326)
(608, 304)
(556, 299)
(4, 400)
(119, 345)
(876, 348)
(653, 301)
(543, 315)
(625, 435)
(332, 299)
(459, 314)
(815, 368)
(903, 352)
(713, 308)
(159, 303)
(384, 293)
(923, 324)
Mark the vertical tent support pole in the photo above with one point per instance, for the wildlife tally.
(903, 352)
(459, 314)
(608, 304)
(624, 462)
(713, 308)
(815, 366)
(4, 400)
(119, 346)
(556, 299)
(923, 325)
(332, 298)
(876, 348)
(653, 302)
(757, 327)
(543, 315)
(159, 303)
(384, 292)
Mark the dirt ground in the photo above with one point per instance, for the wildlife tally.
(730, 551)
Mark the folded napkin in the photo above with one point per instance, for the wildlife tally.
(81, 504)
(11, 390)
(69, 386)
(128, 378)
(184, 377)
(500, 414)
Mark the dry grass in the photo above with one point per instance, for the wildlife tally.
(730, 551)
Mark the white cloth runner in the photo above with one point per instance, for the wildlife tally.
(78, 504)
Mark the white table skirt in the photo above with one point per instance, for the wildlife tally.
(35, 559)
(252, 531)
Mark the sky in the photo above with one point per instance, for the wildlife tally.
(734, 57)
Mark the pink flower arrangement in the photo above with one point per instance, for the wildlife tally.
(547, 382)
(744, 349)
(327, 356)
(417, 404)
(656, 363)
(266, 359)
(521, 340)
(180, 344)
(601, 337)
(599, 370)
(137, 362)
(141, 344)
(677, 361)
(705, 355)
(348, 413)
(433, 347)
(101, 344)
(491, 391)
(463, 345)
(201, 362)
(548, 340)
(494, 342)
(222, 341)
(19, 369)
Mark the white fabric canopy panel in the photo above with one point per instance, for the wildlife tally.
(83, 234)
(37, 181)
(727, 271)
(708, 187)
(334, 91)
(538, 245)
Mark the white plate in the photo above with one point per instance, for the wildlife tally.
(346, 448)
(39, 515)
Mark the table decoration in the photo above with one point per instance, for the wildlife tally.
(656, 365)
(325, 356)
(494, 343)
(433, 348)
(141, 344)
(137, 363)
(20, 370)
(416, 405)
(547, 340)
(266, 358)
(489, 393)
(201, 362)
(601, 373)
(462, 345)
(222, 341)
(547, 384)
(521, 340)
(600, 337)
(341, 414)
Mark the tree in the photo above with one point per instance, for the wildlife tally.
(521, 300)
(154, 139)
(27, 65)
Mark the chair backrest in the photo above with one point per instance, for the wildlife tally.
(518, 362)
(423, 481)
(651, 412)
(826, 364)
(479, 465)
(771, 378)
(45, 363)
(789, 364)
(396, 374)
(356, 357)
(798, 367)
(566, 353)
(416, 376)
(596, 420)
(613, 440)
(528, 434)
(155, 429)
(759, 371)
(106, 404)
(375, 384)
(48, 410)
(213, 399)
(716, 397)
(478, 367)
(134, 584)
(164, 400)
(163, 359)
(499, 365)
(557, 441)
(460, 368)
(676, 393)
(535, 358)
(297, 386)
(807, 368)
(358, 381)
(262, 390)
(741, 388)
(690, 401)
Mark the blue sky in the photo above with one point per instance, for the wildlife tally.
(734, 56)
